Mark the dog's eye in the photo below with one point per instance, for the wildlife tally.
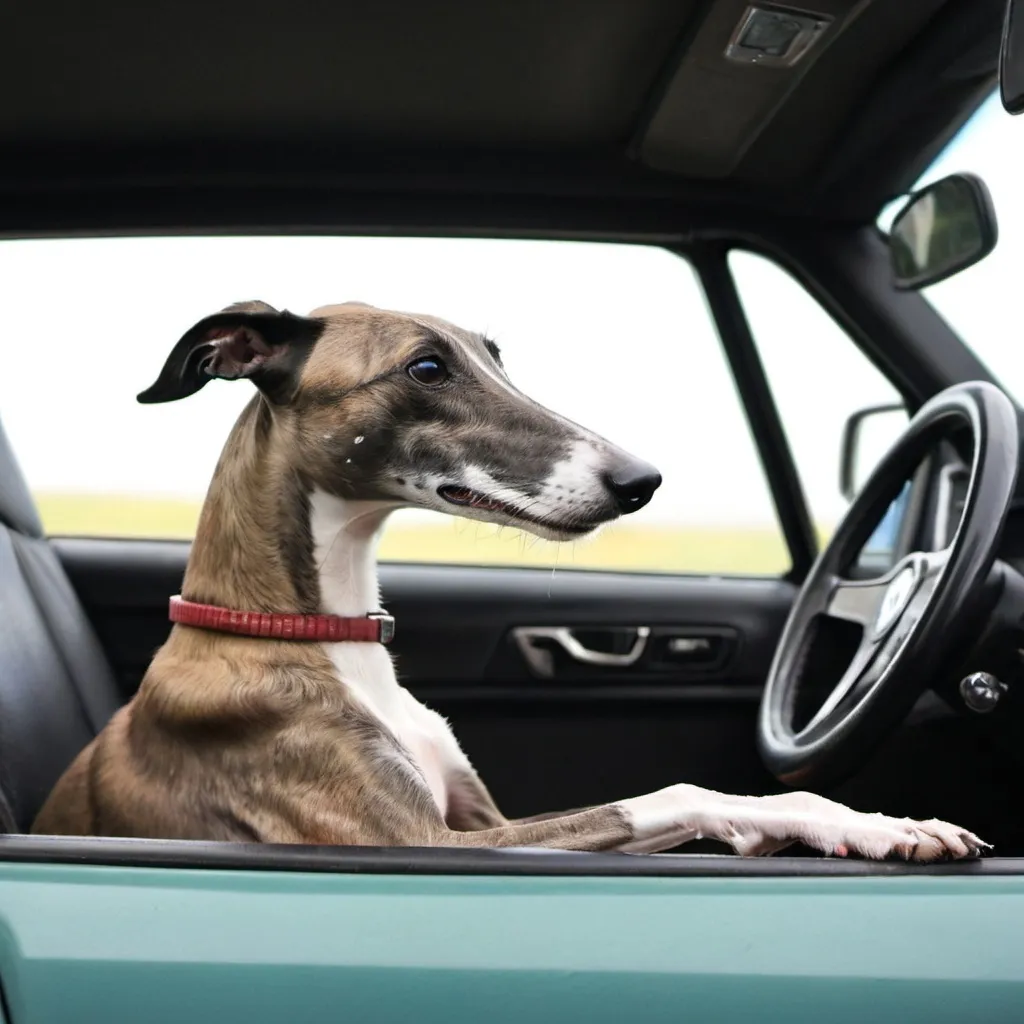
(429, 372)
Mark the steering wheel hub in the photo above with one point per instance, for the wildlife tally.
(895, 599)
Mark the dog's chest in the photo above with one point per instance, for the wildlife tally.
(367, 672)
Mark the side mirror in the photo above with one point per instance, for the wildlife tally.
(1011, 58)
(944, 228)
(867, 436)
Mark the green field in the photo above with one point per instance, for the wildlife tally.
(660, 548)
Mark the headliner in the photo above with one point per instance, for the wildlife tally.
(629, 100)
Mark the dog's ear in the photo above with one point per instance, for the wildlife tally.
(248, 339)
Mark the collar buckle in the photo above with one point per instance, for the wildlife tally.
(387, 626)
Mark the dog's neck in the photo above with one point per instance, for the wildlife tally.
(345, 536)
(266, 542)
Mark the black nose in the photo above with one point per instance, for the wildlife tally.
(633, 484)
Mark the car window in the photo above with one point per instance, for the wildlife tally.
(818, 377)
(981, 303)
(616, 337)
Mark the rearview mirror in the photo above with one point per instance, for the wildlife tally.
(944, 228)
(867, 436)
(1011, 59)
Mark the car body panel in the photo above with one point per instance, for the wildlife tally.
(104, 943)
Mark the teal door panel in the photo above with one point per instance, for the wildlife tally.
(105, 944)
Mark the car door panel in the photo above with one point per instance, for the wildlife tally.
(586, 733)
(457, 623)
(79, 942)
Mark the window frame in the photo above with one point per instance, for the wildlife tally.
(759, 406)
(847, 272)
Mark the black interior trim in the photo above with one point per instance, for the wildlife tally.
(595, 211)
(759, 406)
(899, 331)
(369, 860)
(916, 105)
(849, 274)
(662, 694)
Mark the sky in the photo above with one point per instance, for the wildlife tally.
(615, 337)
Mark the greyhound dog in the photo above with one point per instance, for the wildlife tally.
(272, 713)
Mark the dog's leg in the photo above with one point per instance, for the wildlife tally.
(471, 807)
(666, 819)
(750, 825)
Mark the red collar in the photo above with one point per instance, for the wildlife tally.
(376, 627)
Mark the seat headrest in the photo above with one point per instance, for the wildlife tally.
(17, 509)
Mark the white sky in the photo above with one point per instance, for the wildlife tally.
(615, 337)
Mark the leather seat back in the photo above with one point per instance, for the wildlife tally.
(57, 689)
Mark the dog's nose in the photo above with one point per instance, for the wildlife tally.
(633, 484)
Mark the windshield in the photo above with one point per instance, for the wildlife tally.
(981, 303)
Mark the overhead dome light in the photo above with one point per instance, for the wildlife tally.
(775, 36)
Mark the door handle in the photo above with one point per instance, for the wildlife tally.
(540, 660)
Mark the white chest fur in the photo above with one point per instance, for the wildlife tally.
(345, 540)
(366, 671)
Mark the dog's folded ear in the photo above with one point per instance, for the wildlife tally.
(248, 339)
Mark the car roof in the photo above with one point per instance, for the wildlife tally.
(415, 115)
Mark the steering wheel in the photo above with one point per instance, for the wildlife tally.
(911, 618)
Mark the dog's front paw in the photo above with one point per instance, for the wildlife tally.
(877, 837)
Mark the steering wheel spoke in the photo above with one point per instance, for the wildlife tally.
(856, 600)
(888, 608)
(931, 564)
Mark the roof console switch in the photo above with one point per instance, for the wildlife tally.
(775, 36)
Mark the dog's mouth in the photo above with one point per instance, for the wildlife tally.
(468, 498)
(474, 499)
